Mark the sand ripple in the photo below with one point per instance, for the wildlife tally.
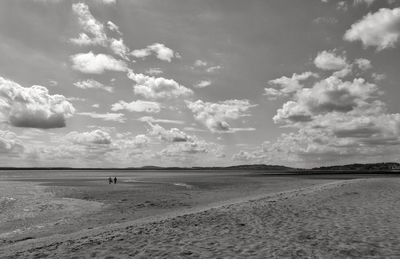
(353, 219)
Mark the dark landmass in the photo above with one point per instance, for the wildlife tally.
(151, 168)
(375, 167)
(361, 167)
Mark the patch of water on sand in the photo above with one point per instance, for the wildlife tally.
(27, 207)
(130, 180)
(187, 186)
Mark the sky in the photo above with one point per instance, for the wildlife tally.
(112, 83)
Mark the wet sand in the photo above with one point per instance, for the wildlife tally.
(305, 218)
(40, 204)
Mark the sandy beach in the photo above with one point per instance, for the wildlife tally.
(342, 219)
(40, 204)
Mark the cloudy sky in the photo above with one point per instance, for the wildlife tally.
(199, 83)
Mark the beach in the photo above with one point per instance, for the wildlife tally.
(355, 218)
(43, 203)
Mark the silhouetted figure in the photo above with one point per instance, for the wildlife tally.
(115, 180)
(110, 180)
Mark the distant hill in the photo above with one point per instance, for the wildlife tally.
(261, 167)
(236, 167)
(254, 167)
(361, 167)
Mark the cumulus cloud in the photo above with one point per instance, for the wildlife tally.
(97, 137)
(137, 106)
(132, 144)
(118, 117)
(161, 51)
(203, 84)
(171, 135)
(336, 137)
(32, 107)
(193, 147)
(97, 35)
(158, 87)
(287, 85)
(181, 144)
(10, 144)
(93, 84)
(96, 63)
(113, 27)
(363, 64)
(119, 48)
(90, 25)
(329, 60)
(245, 156)
(329, 95)
(380, 29)
(215, 115)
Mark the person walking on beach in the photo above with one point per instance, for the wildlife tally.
(115, 180)
(110, 180)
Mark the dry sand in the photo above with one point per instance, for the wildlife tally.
(345, 219)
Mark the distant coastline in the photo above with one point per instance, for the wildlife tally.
(391, 167)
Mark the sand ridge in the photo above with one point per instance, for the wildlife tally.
(335, 220)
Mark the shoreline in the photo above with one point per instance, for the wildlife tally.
(111, 229)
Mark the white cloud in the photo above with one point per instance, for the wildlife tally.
(113, 27)
(171, 135)
(90, 25)
(200, 63)
(363, 64)
(287, 85)
(97, 137)
(154, 71)
(97, 35)
(108, 1)
(119, 48)
(378, 77)
(96, 64)
(181, 144)
(158, 87)
(10, 144)
(161, 51)
(245, 156)
(156, 120)
(380, 29)
(141, 53)
(329, 95)
(367, 2)
(215, 115)
(328, 60)
(132, 144)
(137, 106)
(182, 148)
(203, 83)
(118, 117)
(342, 5)
(32, 107)
(93, 84)
(213, 69)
